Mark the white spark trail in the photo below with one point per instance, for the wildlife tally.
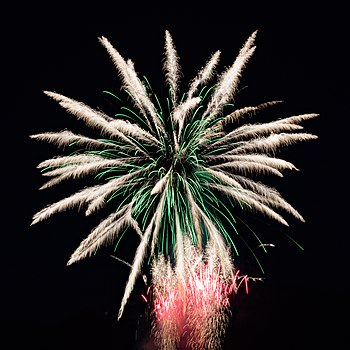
(67, 138)
(105, 233)
(204, 75)
(228, 83)
(140, 253)
(95, 119)
(76, 171)
(133, 85)
(171, 67)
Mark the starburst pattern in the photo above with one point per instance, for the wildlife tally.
(178, 169)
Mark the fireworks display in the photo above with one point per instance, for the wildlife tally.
(176, 171)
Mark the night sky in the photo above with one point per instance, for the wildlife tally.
(301, 58)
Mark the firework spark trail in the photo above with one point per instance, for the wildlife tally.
(171, 169)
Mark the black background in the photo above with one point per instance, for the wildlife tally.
(302, 58)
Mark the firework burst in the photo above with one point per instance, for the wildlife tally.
(177, 171)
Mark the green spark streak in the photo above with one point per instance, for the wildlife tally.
(156, 98)
(226, 235)
(182, 98)
(138, 143)
(216, 150)
(252, 252)
(123, 115)
(115, 96)
(200, 92)
(170, 211)
(137, 117)
(108, 170)
(194, 116)
(206, 197)
(208, 91)
(294, 241)
(254, 234)
(194, 186)
(119, 239)
(149, 211)
(168, 104)
(121, 203)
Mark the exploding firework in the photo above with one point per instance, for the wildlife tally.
(177, 173)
